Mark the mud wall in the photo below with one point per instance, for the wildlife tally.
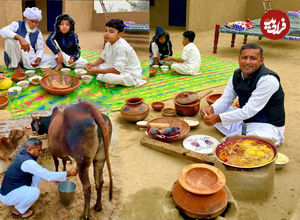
(98, 20)
(9, 11)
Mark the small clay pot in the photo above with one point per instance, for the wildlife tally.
(3, 101)
(18, 76)
(157, 106)
(135, 109)
(169, 112)
(212, 98)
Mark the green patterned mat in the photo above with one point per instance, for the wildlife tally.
(163, 86)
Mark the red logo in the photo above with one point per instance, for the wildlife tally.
(275, 24)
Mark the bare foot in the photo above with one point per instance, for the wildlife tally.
(19, 69)
(109, 85)
(175, 73)
(17, 214)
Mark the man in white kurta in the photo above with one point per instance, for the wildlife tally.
(229, 120)
(24, 43)
(14, 192)
(119, 64)
(190, 61)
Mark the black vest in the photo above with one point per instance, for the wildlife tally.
(22, 32)
(14, 176)
(273, 113)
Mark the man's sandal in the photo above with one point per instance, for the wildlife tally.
(19, 215)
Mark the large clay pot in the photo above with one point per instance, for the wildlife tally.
(187, 103)
(200, 206)
(135, 110)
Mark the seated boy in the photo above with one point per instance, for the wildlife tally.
(190, 61)
(119, 64)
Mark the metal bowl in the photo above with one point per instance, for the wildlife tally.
(225, 143)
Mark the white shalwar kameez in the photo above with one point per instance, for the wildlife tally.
(232, 117)
(23, 197)
(123, 58)
(79, 63)
(17, 55)
(192, 61)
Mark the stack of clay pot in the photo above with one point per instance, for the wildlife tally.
(199, 192)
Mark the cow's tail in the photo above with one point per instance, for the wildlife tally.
(101, 123)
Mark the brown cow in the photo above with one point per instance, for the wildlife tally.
(83, 132)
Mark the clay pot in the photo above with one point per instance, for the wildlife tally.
(187, 103)
(200, 206)
(3, 101)
(157, 106)
(212, 98)
(18, 76)
(134, 110)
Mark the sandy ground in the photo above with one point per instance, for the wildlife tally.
(142, 176)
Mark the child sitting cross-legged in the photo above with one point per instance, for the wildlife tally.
(119, 64)
(190, 60)
(64, 43)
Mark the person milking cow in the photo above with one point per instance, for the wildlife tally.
(24, 43)
(19, 186)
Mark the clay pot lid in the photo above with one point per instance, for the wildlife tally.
(201, 179)
(185, 98)
(205, 206)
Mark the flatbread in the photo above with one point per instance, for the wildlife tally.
(60, 85)
(50, 72)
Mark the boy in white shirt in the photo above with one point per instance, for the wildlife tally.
(190, 61)
(119, 64)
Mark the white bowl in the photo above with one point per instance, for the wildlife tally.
(35, 82)
(165, 70)
(281, 160)
(65, 70)
(30, 72)
(164, 67)
(45, 67)
(15, 91)
(86, 79)
(80, 72)
(23, 84)
(155, 66)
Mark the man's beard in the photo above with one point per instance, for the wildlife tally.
(28, 29)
